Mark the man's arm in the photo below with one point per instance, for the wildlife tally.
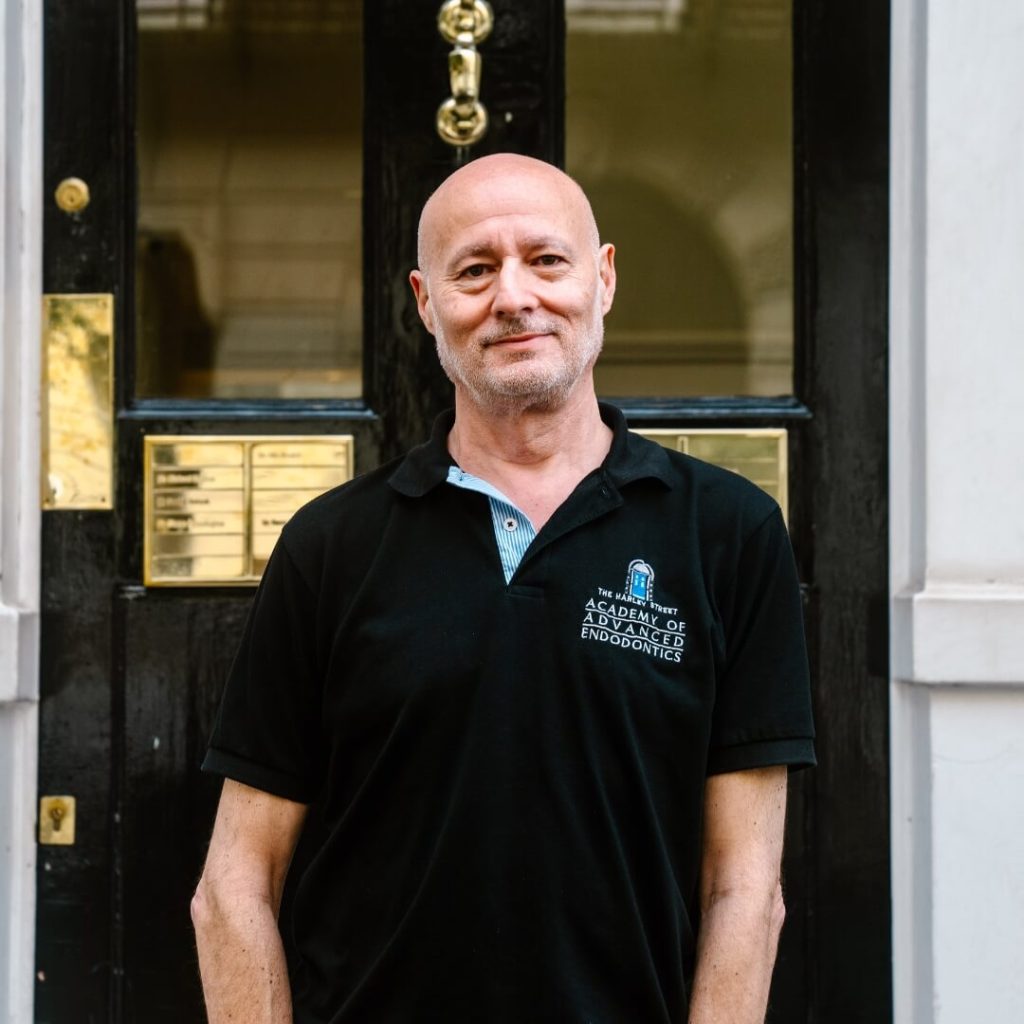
(234, 910)
(741, 896)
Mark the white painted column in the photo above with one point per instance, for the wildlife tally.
(21, 280)
(957, 508)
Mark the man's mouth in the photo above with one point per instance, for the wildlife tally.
(522, 338)
(517, 339)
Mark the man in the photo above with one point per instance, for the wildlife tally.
(542, 676)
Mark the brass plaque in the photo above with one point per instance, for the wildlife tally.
(202, 523)
(215, 506)
(57, 820)
(78, 403)
(298, 453)
(288, 478)
(200, 501)
(758, 454)
(199, 570)
(211, 478)
(199, 455)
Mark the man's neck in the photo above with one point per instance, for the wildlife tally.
(536, 457)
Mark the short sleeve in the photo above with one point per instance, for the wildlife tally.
(762, 714)
(267, 733)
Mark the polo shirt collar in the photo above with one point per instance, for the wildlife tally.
(630, 457)
(427, 464)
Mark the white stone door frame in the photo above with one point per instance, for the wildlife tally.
(956, 495)
(21, 133)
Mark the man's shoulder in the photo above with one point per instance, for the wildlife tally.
(341, 519)
(353, 497)
(719, 497)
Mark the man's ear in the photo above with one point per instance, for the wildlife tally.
(606, 271)
(419, 289)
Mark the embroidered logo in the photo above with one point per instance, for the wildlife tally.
(633, 620)
(640, 580)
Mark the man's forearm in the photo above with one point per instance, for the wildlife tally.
(736, 947)
(241, 961)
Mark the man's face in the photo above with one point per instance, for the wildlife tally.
(514, 287)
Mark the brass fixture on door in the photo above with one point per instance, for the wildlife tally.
(72, 195)
(462, 118)
(78, 402)
(57, 821)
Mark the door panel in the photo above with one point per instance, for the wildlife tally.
(176, 651)
(131, 676)
(74, 883)
(249, 223)
(688, 161)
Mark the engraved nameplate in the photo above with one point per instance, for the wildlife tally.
(215, 506)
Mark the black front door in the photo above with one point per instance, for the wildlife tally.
(255, 173)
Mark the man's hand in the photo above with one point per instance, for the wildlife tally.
(234, 910)
(741, 896)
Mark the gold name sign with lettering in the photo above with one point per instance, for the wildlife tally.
(214, 506)
(758, 454)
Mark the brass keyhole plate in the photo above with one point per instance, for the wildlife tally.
(57, 821)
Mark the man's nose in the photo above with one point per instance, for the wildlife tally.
(515, 292)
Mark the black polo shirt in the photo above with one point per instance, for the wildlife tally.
(511, 776)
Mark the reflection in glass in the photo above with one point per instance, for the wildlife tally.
(679, 127)
(249, 248)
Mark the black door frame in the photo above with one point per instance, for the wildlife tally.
(842, 123)
(97, 619)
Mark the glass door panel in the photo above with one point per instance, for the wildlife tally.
(249, 246)
(679, 127)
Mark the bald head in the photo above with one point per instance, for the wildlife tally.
(513, 283)
(496, 185)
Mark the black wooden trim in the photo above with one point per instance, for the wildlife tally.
(127, 356)
(370, 203)
(738, 411)
(803, 240)
(119, 855)
(841, 118)
(78, 944)
(163, 411)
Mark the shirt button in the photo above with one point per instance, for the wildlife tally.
(510, 524)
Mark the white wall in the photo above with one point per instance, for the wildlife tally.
(20, 276)
(957, 491)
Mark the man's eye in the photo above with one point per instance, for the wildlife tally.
(549, 259)
(476, 270)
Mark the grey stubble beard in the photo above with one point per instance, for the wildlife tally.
(518, 394)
